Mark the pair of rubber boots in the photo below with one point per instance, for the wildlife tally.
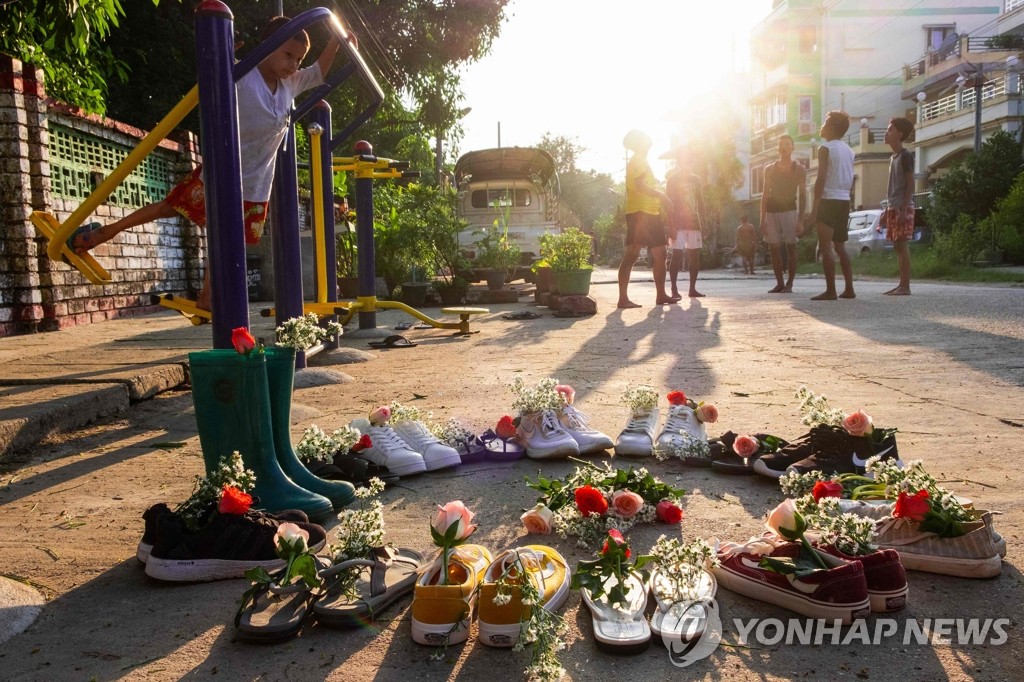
(243, 403)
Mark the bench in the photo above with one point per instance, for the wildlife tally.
(464, 315)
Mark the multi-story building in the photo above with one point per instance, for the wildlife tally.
(811, 56)
(946, 84)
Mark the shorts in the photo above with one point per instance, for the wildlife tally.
(835, 213)
(644, 229)
(780, 228)
(688, 239)
(898, 223)
(188, 198)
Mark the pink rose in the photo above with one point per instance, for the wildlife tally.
(451, 514)
(746, 446)
(380, 415)
(668, 511)
(290, 538)
(785, 521)
(538, 520)
(707, 413)
(858, 424)
(626, 503)
(567, 392)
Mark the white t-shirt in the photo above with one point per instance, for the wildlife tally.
(263, 119)
(839, 174)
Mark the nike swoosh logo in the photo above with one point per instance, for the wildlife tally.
(858, 462)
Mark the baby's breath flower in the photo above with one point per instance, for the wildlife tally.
(305, 332)
(640, 398)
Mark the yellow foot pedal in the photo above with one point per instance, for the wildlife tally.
(186, 307)
(85, 263)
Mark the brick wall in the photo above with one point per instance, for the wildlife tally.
(38, 294)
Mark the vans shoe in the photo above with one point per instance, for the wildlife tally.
(441, 612)
(501, 625)
(884, 574)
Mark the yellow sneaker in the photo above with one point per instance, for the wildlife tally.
(501, 623)
(441, 613)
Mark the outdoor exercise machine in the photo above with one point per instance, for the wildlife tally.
(366, 167)
(215, 94)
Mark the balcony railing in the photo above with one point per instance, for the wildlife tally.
(1013, 4)
(966, 47)
(948, 105)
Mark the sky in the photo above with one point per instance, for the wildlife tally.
(591, 71)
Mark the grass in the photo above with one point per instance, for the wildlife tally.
(924, 265)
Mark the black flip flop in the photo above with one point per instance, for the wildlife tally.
(402, 326)
(393, 341)
(522, 315)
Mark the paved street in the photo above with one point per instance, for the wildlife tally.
(945, 366)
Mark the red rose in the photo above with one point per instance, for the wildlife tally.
(234, 501)
(619, 540)
(590, 500)
(826, 489)
(676, 398)
(912, 507)
(668, 511)
(363, 443)
(506, 428)
(242, 340)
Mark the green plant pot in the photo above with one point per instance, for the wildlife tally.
(414, 293)
(572, 282)
(544, 277)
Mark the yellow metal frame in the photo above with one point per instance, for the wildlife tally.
(58, 233)
(185, 306)
(368, 304)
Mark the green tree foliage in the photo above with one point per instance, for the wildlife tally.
(67, 39)
(973, 186)
(585, 194)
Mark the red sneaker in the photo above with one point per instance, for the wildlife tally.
(838, 593)
(884, 574)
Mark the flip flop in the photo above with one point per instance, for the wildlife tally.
(621, 630)
(682, 620)
(277, 613)
(500, 449)
(471, 450)
(392, 575)
(359, 471)
(402, 326)
(522, 315)
(393, 341)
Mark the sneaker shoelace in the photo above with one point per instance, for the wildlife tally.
(549, 424)
(639, 423)
(386, 439)
(677, 421)
(576, 420)
(420, 434)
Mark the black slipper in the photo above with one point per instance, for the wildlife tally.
(522, 315)
(393, 341)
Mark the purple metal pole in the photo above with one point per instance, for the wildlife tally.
(321, 114)
(284, 206)
(222, 170)
(364, 244)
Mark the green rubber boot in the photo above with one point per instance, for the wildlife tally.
(281, 376)
(232, 404)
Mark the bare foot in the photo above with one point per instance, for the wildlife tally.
(898, 291)
(667, 301)
(777, 290)
(696, 294)
(788, 289)
(826, 296)
(628, 304)
(848, 294)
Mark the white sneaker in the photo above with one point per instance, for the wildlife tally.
(391, 451)
(435, 454)
(575, 424)
(681, 419)
(638, 436)
(544, 436)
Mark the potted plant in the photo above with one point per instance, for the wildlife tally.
(414, 292)
(568, 254)
(438, 243)
(497, 257)
(346, 253)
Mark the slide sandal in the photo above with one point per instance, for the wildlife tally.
(621, 630)
(392, 575)
(276, 613)
(393, 341)
(682, 618)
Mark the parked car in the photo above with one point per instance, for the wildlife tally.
(865, 235)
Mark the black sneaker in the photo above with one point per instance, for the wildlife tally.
(725, 460)
(226, 548)
(160, 510)
(847, 454)
(774, 464)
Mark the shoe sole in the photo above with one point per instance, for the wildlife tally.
(432, 634)
(443, 463)
(761, 468)
(504, 636)
(961, 568)
(805, 606)
(632, 452)
(893, 600)
(599, 446)
(410, 469)
(142, 552)
(204, 570)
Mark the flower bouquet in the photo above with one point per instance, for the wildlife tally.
(454, 434)
(815, 410)
(683, 586)
(597, 498)
(223, 490)
(304, 332)
(615, 590)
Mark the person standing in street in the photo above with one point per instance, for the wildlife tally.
(783, 203)
(830, 212)
(898, 219)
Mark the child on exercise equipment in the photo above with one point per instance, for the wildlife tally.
(264, 97)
